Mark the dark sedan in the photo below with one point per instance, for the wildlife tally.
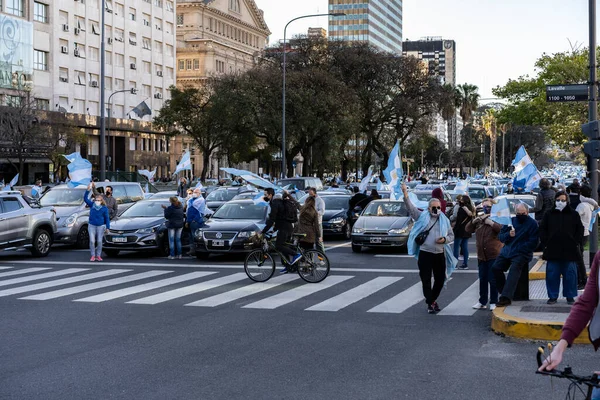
(141, 228)
(384, 223)
(231, 229)
(336, 215)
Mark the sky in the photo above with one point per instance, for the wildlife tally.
(496, 40)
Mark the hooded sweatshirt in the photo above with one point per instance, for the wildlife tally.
(439, 194)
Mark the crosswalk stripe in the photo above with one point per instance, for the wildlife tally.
(5, 267)
(187, 290)
(402, 301)
(351, 296)
(115, 294)
(91, 286)
(21, 271)
(297, 293)
(463, 304)
(244, 291)
(42, 276)
(64, 281)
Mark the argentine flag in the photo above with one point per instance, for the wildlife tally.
(148, 174)
(259, 200)
(501, 212)
(379, 185)
(199, 185)
(461, 187)
(393, 173)
(80, 170)
(185, 163)
(12, 183)
(521, 160)
(420, 204)
(365, 182)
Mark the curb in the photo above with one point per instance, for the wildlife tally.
(535, 274)
(521, 328)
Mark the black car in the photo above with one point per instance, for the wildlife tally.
(231, 229)
(336, 215)
(141, 228)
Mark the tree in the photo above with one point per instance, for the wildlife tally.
(467, 101)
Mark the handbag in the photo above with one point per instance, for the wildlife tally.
(421, 237)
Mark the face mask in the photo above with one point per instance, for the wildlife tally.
(109, 193)
(487, 209)
(434, 211)
(560, 205)
(266, 199)
(195, 195)
(522, 218)
(98, 203)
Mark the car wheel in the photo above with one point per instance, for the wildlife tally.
(356, 248)
(83, 238)
(163, 248)
(202, 256)
(112, 252)
(42, 241)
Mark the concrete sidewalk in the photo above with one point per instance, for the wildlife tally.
(538, 271)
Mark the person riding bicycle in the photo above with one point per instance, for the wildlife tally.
(283, 215)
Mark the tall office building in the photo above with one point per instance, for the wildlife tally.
(378, 22)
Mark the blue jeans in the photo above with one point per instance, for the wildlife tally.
(96, 234)
(175, 241)
(462, 243)
(568, 270)
(486, 280)
(596, 394)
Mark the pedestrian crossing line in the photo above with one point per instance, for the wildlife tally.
(192, 289)
(463, 304)
(297, 293)
(5, 267)
(37, 277)
(115, 294)
(96, 285)
(244, 291)
(402, 301)
(351, 296)
(21, 271)
(64, 281)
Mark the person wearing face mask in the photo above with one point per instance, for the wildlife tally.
(320, 206)
(520, 240)
(109, 200)
(488, 249)
(561, 233)
(99, 221)
(195, 212)
(435, 255)
(465, 214)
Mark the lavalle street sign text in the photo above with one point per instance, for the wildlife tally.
(566, 93)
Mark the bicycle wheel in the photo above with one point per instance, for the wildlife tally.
(314, 267)
(259, 266)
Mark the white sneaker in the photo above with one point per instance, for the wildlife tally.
(479, 306)
(492, 307)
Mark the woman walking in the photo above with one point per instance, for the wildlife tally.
(466, 212)
(561, 234)
(175, 221)
(308, 224)
(98, 222)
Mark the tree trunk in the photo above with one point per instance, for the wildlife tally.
(205, 163)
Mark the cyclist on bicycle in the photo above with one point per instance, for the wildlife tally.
(283, 215)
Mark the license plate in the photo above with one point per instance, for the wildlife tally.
(119, 239)
(218, 243)
(376, 240)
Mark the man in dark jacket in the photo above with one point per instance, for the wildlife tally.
(354, 200)
(520, 240)
(280, 223)
(182, 188)
(544, 201)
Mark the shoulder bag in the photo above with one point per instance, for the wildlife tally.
(421, 237)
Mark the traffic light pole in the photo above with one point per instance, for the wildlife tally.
(593, 116)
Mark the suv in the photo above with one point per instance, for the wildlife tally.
(72, 213)
(22, 225)
(301, 183)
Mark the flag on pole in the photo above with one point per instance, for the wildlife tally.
(185, 163)
(142, 109)
(80, 170)
(461, 187)
(365, 182)
(148, 174)
(12, 183)
(259, 200)
(379, 185)
(521, 160)
(527, 174)
(501, 212)
(393, 173)
(199, 185)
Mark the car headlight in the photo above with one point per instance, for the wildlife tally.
(152, 229)
(70, 221)
(198, 234)
(358, 230)
(247, 234)
(338, 220)
(398, 231)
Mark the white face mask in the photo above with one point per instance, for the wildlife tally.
(560, 205)
(195, 195)
(98, 203)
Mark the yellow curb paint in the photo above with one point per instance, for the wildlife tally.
(535, 274)
(529, 328)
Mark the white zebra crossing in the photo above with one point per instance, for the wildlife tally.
(42, 276)
(463, 304)
(21, 271)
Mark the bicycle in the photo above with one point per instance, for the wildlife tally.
(313, 266)
(576, 381)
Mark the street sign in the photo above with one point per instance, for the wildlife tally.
(566, 93)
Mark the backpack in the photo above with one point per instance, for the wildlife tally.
(290, 212)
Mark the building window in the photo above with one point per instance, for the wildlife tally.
(94, 54)
(158, 3)
(40, 12)
(40, 60)
(188, 64)
(15, 7)
(132, 14)
(170, 6)
(108, 58)
(147, 67)
(196, 64)
(179, 19)
(181, 65)
(146, 44)
(119, 84)
(80, 78)
(63, 74)
(132, 144)
(42, 104)
(234, 5)
(95, 28)
(119, 60)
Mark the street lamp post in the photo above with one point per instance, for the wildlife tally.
(283, 164)
(102, 89)
(112, 157)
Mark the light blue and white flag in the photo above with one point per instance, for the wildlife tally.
(593, 220)
(184, 164)
(461, 187)
(259, 200)
(12, 183)
(501, 212)
(147, 188)
(365, 182)
(148, 174)
(379, 185)
(394, 173)
(80, 170)
(199, 185)
(420, 204)
(521, 160)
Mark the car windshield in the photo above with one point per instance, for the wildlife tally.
(477, 194)
(388, 209)
(423, 196)
(145, 209)
(62, 197)
(512, 203)
(163, 195)
(293, 183)
(335, 202)
(240, 211)
(221, 195)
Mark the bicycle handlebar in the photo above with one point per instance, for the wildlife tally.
(567, 373)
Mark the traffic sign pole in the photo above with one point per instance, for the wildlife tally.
(593, 116)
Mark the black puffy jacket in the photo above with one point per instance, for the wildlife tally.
(174, 216)
(561, 233)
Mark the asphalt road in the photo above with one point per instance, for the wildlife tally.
(143, 327)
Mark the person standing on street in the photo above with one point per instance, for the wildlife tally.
(175, 220)
(320, 206)
(182, 188)
(308, 224)
(488, 249)
(109, 200)
(196, 209)
(544, 201)
(520, 240)
(561, 234)
(98, 222)
(584, 209)
(434, 255)
(466, 212)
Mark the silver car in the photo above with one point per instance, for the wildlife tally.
(383, 223)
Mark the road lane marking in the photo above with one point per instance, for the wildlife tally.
(394, 256)
(64, 281)
(297, 293)
(5, 267)
(42, 276)
(402, 301)
(337, 246)
(351, 296)
(463, 304)
(115, 294)
(21, 271)
(92, 286)
(244, 291)
(188, 290)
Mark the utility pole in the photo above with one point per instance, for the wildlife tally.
(593, 116)
(102, 89)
